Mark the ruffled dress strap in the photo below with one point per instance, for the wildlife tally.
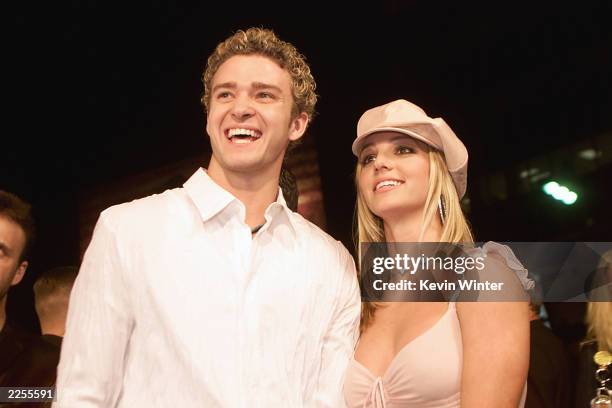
(511, 260)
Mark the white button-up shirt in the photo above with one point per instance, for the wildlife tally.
(177, 305)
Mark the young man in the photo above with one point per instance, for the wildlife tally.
(37, 364)
(51, 298)
(216, 294)
(16, 231)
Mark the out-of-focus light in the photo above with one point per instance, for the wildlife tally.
(529, 172)
(570, 198)
(589, 154)
(550, 187)
(559, 192)
(540, 176)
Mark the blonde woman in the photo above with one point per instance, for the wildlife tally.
(599, 331)
(599, 320)
(410, 177)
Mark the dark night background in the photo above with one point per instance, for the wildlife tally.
(95, 92)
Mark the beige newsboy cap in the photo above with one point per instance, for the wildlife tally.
(405, 117)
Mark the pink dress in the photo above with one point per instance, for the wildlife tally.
(426, 372)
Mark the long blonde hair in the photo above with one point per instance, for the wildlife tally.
(368, 227)
(599, 322)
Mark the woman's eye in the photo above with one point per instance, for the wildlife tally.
(367, 159)
(404, 150)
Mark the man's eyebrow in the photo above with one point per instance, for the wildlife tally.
(231, 85)
(261, 85)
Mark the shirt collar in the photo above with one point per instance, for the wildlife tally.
(210, 199)
(280, 206)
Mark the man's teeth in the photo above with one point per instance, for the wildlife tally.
(387, 183)
(243, 132)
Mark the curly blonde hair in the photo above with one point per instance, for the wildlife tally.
(260, 41)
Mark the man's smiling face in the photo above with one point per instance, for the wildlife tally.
(250, 117)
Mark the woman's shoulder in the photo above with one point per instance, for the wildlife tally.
(502, 277)
(505, 255)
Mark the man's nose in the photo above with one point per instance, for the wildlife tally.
(242, 108)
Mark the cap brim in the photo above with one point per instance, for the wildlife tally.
(361, 140)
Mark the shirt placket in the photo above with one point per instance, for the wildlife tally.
(244, 250)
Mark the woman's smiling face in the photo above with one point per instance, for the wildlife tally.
(393, 173)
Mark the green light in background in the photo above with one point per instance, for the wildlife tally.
(550, 187)
(560, 193)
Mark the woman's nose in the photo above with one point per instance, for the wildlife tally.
(383, 162)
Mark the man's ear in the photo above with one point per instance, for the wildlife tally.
(206, 132)
(298, 126)
(20, 272)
